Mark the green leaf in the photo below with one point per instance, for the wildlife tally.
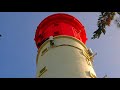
(104, 31)
(104, 20)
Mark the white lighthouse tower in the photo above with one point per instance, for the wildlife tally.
(62, 53)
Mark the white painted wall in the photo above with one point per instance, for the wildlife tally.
(64, 61)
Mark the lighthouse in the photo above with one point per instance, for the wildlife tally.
(62, 52)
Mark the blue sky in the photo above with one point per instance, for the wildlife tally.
(18, 50)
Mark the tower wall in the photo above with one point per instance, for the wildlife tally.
(67, 58)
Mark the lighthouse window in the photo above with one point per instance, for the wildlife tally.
(42, 71)
(44, 51)
(92, 75)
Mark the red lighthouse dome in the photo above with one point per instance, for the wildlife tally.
(59, 24)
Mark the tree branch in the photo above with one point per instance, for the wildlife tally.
(104, 20)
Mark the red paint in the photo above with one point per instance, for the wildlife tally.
(59, 24)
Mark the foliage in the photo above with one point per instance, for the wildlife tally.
(104, 20)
